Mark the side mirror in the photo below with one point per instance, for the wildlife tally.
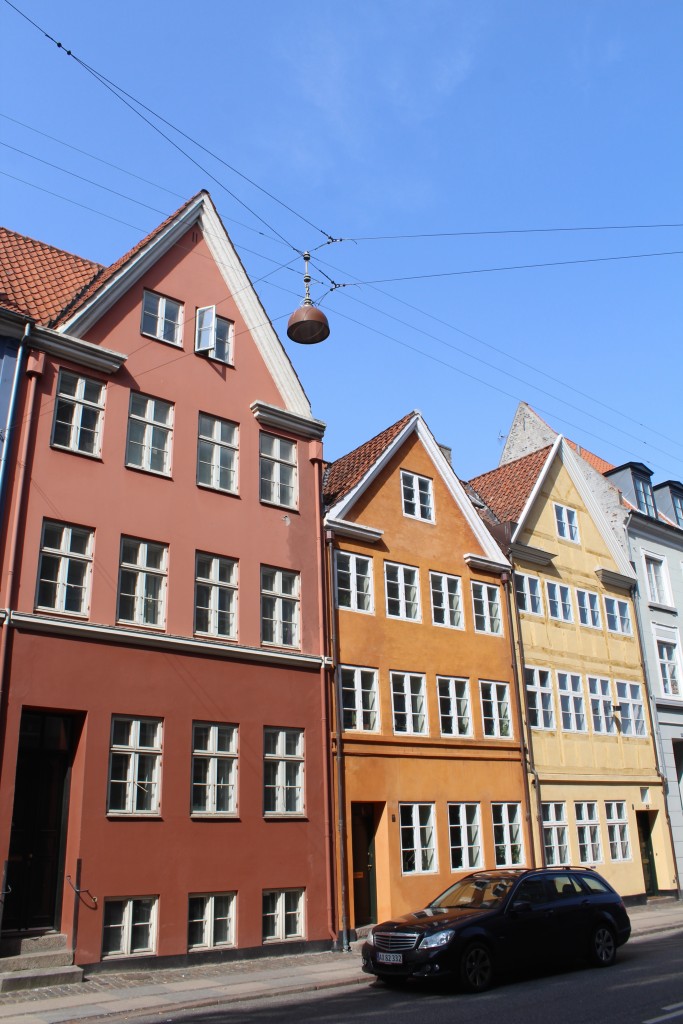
(521, 906)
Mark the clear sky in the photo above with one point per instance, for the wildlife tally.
(385, 118)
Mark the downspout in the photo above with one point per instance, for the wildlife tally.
(654, 718)
(324, 704)
(339, 751)
(523, 720)
(13, 532)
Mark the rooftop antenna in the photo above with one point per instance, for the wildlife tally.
(308, 325)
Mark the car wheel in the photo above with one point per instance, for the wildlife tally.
(603, 948)
(476, 968)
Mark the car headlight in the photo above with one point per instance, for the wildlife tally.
(370, 939)
(437, 939)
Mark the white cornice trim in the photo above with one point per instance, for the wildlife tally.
(479, 564)
(161, 641)
(526, 553)
(354, 531)
(104, 298)
(281, 419)
(610, 578)
(63, 346)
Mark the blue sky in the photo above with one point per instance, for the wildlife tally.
(385, 118)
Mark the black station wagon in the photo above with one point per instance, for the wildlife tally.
(494, 920)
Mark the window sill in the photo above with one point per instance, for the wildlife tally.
(216, 490)
(285, 816)
(655, 607)
(93, 456)
(163, 341)
(134, 816)
(217, 816)
(401, 618)
(280, 647)
(215, 638)
(276, 504)
(148, 472)
(59, 612)
(142, 626)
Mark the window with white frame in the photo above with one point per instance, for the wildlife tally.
(657, 581)
(65, 569)
(677, 501)
(215, 603)
(79, 412)
(418, 839)
(507, 834)
(409, 702)
(617, 830)
(283, 915)
(668, 657)
(418, 498)
(129, 927)
(495, 709)
(150, 432)
(162, 318)
(217, 453)
(214, 335)
(446, 600)
(134, 765)
(353, 574)
(528, 593)
(211, 920)
(645, 499)
(142, 582)
(486, 603)
(618, 616)
(588, 831)
(555, 837)
(402, 590)
(600, 691)
(454, 706)
(539, 693)
(214, 768)
(278, 471)
(360, 705)
(283, 769)
(572, 707)
(464, 834)
(560, 602)
(589, 608)
(279, 607)
(567, 523)
(632, 710)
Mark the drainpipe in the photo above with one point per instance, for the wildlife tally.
(523, 720)
(654, 717)
(324, 705)
(339, 752)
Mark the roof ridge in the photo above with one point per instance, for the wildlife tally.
(346, 471)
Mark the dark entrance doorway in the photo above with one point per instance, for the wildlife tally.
(364, 819)
(36, 853)
(645, 821)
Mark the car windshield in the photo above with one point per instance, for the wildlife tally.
(473, 893)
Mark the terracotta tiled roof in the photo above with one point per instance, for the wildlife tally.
(343, 475)
(38, 280)
(506, 490)
(49, 285)
(593, 460)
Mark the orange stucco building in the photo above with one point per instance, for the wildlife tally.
(427, 751)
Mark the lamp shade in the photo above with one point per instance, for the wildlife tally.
(308, 325)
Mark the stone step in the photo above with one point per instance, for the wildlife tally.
(37, 961)
(37, 942)
(16, 981)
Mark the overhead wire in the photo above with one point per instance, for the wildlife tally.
(506, 231)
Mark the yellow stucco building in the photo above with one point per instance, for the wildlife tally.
(593, 772)
(427, 747)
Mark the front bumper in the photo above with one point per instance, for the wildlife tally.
(415, 963)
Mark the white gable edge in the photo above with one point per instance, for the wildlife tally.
(446, 472)
(569, 461)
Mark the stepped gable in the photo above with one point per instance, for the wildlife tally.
(506, 490)
(343, 475)
(39, 281)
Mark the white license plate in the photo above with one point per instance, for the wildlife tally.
(390, 958)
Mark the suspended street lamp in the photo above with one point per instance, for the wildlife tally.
(308, 325)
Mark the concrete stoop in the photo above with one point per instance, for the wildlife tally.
(36, 961)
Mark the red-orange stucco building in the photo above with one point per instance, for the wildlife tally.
(161, 658)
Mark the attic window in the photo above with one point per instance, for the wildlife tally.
(214, 335)
(162, 318)
(644, 496)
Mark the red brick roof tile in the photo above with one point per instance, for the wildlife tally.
(343, 475)
(593, 460)
(506, 490)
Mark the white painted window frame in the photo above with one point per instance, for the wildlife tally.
(453, 696)
(417, 827)
(417, 492)
(464, 836)
(407, 580)
(359, 569)
(216, 758)
(360, 699)
(80, 405)
(409, 699)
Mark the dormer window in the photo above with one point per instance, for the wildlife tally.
(644, 496)
(214, 335)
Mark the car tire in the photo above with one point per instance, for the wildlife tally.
(603, 947)
(476, 968)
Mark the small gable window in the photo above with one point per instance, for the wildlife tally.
(567, 523)
(418, 501)
(644, 496)
(162, 318)
(214, 335)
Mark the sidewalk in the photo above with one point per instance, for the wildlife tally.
(165, 990)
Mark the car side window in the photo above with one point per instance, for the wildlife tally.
(533, 890)
(595, 884)
(565, 886)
